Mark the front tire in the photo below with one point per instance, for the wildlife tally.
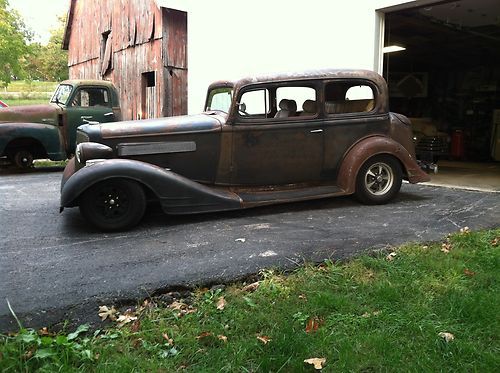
(23, 159)
(379, 180)
(113, 205)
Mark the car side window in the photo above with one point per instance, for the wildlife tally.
(348, 97)
(279, 102)
(87, 97)
(296, 102)
(254, 104)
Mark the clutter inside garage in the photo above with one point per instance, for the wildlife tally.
(442, 63)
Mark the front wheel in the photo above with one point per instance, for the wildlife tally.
(378, 180)
(113, 205)
(23, 158)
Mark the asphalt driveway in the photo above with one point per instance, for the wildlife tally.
(54, 266)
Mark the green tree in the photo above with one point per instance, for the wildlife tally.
(14, 36)
(48, 62)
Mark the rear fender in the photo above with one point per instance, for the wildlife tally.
(177, 194)
(369, 147)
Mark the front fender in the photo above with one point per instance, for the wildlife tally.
(369, 147)
(177, 194)
(47, 135)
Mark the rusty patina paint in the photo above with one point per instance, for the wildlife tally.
(254, 161)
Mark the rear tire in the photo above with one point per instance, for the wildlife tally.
(23, 159)
(378, 180)
(113, 205)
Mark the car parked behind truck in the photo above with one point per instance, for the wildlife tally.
(49, 131)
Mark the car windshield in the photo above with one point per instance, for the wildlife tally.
(220, 99)
(61, 94)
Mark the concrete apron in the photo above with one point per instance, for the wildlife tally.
(483, 177)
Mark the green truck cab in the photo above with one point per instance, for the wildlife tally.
(49, 131)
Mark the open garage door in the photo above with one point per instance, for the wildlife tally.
(442, 64)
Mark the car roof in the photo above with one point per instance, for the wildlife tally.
(303, 75)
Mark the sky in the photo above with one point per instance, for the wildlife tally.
(41, 15)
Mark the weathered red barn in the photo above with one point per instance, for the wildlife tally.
(138, 45)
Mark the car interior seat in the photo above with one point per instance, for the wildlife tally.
(288, 108)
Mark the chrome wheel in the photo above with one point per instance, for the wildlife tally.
(379, 178)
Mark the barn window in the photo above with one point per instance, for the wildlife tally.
(105, 52)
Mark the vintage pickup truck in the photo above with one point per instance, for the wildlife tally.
(49, 131)
(261, 140)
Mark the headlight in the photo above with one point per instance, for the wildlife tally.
(92, 150)
(78, 153)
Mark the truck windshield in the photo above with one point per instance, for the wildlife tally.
(61, 94)
(220, 99)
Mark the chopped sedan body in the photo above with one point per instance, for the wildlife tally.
(261, 140)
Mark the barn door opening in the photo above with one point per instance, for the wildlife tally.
(148, 95)
(176, 69)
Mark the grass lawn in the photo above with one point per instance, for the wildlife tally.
(22, 92)
(421, 308)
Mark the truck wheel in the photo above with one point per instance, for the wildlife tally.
(378, 180)
(23, 158)
(113, 205)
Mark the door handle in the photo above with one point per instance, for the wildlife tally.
(317, 131)
(86, 117)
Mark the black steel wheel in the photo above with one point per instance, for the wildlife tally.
(23, 158)
(378, 180)
(113, 205)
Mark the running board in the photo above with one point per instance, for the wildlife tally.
(281, 196)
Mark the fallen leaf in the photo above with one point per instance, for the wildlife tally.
(125, 319)
(368, 314)
(251, 287)
(45, 332)
(221, 303)
(317, 362)
(169, 340)
(29, 354)
(264, 339)
(177, 305)
(446, 247)
(313, 324)
(136, 343)
(465, 230)
(204, 335)
(240, 240)
(448, 337)
(468, 272)
(391, 256)
(107, 313)
(223, 338)
(135, 326)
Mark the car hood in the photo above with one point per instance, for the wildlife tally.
(135, 129)
(46, 114)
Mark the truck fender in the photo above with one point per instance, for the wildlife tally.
(366, 148)
(177, 194)
(48, 136)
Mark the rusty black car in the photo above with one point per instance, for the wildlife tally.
(260, 141)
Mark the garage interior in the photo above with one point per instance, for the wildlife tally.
(446, 78)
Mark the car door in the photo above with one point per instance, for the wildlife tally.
(87, 104)
(351, 113)
(274, 147)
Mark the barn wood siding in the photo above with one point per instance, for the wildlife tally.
(175, 61)
(137, 46)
